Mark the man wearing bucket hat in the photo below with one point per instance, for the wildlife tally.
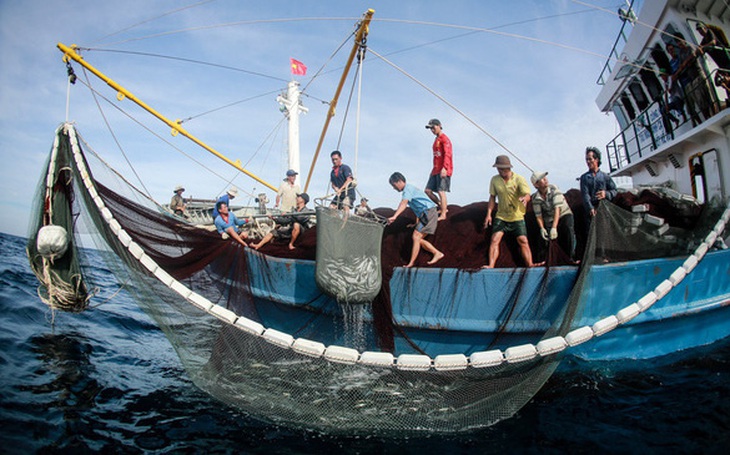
(177, 203)
(552, 213)
(287, 194)
(439, 181)
(513, 194)
(230, 194)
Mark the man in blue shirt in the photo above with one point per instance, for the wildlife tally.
(342, 182)
(227, 223)
(230, 194)
(425, 211)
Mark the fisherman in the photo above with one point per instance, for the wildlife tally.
(364, 209)
(177, 203)
(287, 194)
(426, 214)
(230, 194)
(552, 212)
(595, 185)
(513, 194)
(290, 226)
(342, 182)
(439, 181)
(227, 223)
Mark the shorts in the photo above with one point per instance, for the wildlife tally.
(428, 221)
(342, 200)
(516, 228)
(283, 232)
(438, 183)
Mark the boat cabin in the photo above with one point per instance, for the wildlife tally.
(669, 91)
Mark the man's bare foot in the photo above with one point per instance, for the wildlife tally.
(408, 266)
(442, 215)
(539, 264)
(436, 257)
(487, 266)
(291, 247)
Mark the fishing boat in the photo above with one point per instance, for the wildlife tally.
(337, 336)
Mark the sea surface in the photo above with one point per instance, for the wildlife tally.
(107, 380)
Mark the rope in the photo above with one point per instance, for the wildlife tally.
(452, 106)
(154, 18)
(149, 130)
(114, 137)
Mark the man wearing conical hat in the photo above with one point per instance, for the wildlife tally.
(513, 194)
(177, 204)
(230, 194)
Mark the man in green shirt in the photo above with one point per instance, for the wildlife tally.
(513, 193)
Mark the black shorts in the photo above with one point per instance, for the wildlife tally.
(438, 183)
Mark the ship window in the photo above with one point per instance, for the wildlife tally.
(652, 83)
(660, 57)
(671, 34)
(620, 116)
(637, 91)
(628, 107)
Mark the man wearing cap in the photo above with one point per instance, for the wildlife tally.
(552, 211)
(714, 43)
(513, 194)
(177, 203)
(288, 191)
(342, 182)
(595, 185)
(230, 194)
(289, 226)
(443, 166)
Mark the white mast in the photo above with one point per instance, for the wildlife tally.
(291, 106)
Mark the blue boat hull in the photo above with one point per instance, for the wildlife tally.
(448, 311)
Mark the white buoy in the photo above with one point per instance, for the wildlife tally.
(52, 241)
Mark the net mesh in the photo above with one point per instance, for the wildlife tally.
(268, 377)
(348, 256)
(62, 280)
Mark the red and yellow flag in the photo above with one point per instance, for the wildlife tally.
(298, 68)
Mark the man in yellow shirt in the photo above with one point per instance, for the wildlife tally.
(513, 193)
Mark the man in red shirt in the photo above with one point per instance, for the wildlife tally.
(443, 166)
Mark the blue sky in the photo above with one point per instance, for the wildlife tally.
(531, 85)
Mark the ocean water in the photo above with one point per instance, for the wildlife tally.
(107, 380)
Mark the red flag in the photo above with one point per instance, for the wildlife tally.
(298, 68)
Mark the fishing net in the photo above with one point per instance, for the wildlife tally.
(276, 346)
(54, 263)
(348, 256)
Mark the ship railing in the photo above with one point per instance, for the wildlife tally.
(615, 55)
(654, 126)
